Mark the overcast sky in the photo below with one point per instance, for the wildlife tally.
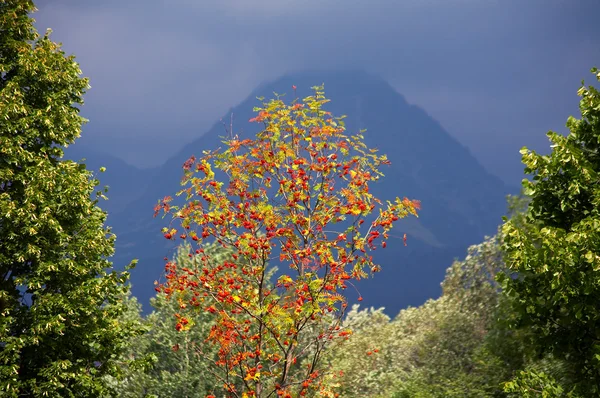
(497, 74)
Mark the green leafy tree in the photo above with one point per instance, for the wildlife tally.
(449, 347)
(446, 342)
(555, 254)
(472, 283)
(182, 360)
(366, 364)
(535, 384)
(59, 305)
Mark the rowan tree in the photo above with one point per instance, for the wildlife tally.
(296, 196)
(59, 333)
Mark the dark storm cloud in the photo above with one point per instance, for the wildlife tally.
(496, 74)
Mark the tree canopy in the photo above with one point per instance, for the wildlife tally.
(554, 256)
(297, 195)
(58, 294)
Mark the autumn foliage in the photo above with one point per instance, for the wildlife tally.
(296, 197)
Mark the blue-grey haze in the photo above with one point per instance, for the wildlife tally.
(497, 74)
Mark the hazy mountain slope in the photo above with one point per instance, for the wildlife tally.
(126, 182)
(461, 201)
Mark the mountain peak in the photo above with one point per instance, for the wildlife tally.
(341, 81)
(461, 202)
